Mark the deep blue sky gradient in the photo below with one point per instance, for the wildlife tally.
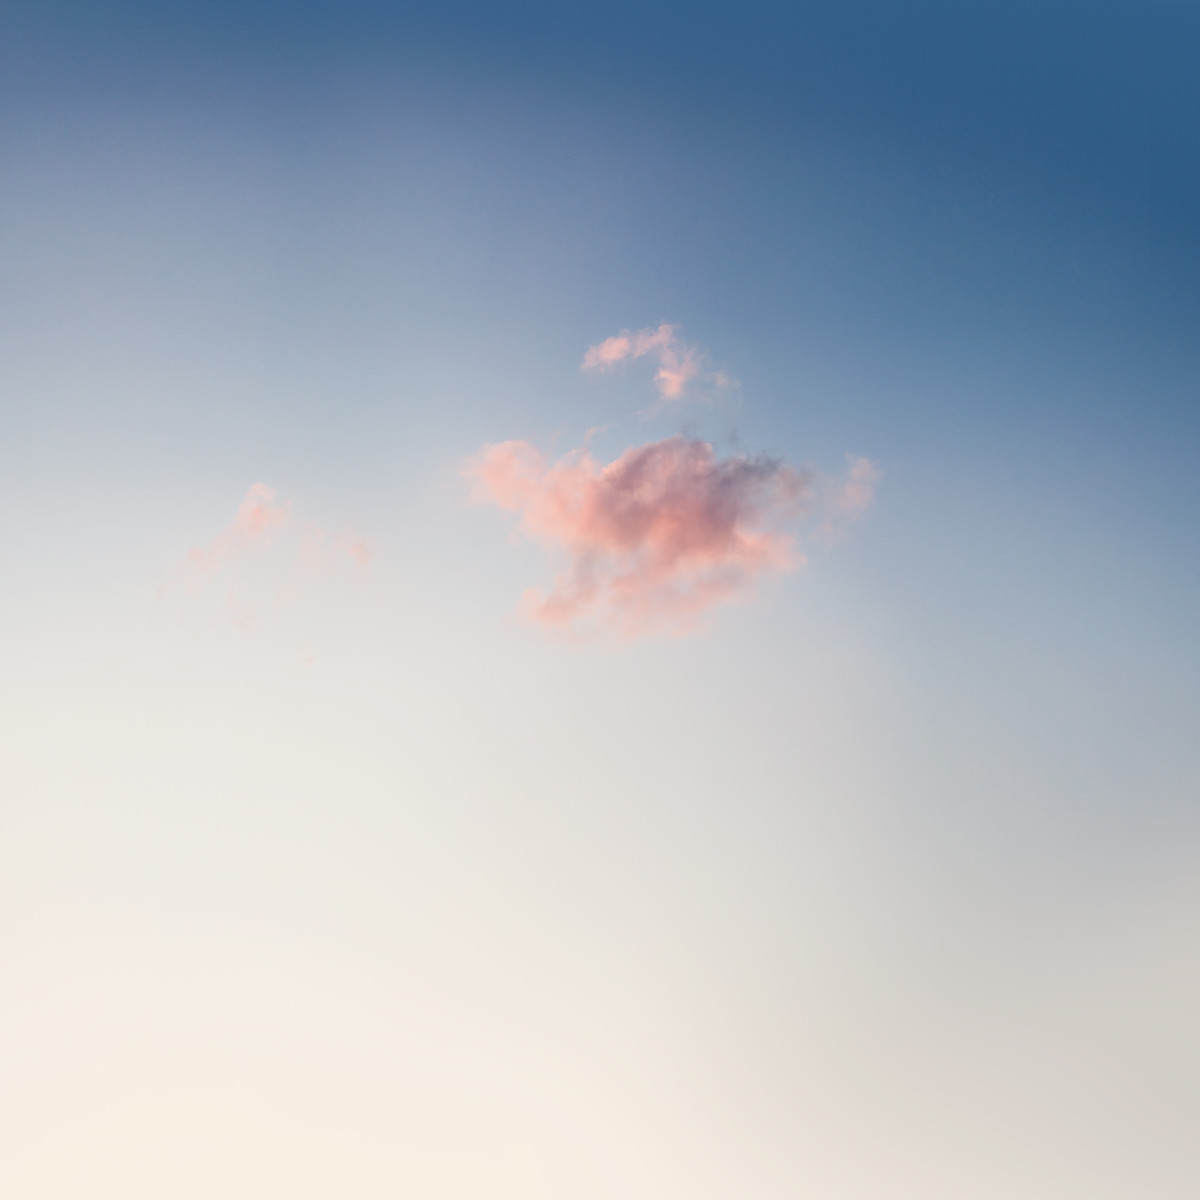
(960, 239)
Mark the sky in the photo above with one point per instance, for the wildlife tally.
(599, 603)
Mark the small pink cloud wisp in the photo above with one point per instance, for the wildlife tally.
(678, 362)
(653, 539)
(847, 500)
(259, 562)
(258, 518)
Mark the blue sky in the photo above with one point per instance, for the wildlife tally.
(878, 883)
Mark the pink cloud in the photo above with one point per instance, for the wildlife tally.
(847, 500)
(258, 518)
(260, 562)
(362, 550)
(654, 539)
(678, 363)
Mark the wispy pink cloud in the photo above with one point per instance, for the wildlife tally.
(668, 530)
(678, 362)
(654, 539)
(361, 549)
(258, 564)
(846, 500)
(258, 518)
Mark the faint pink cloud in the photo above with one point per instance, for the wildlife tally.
(847, 500)
(362, 550)
(654, 539)
(678, 362)
(260, 562)
(258, 518)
